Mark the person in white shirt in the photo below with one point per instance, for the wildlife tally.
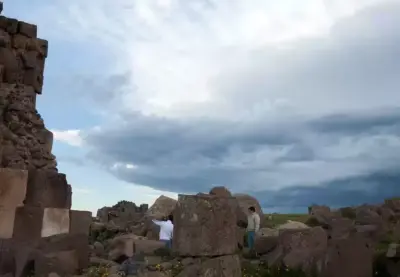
(253, 225)
(166, 230)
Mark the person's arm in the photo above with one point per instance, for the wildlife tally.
(158, 222)
(257, 222)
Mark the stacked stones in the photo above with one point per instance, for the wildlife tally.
(38, 232)
(205, 227)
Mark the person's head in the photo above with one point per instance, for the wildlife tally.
(252, 209)
(171, 218)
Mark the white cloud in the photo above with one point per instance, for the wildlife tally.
(176, 50)
(71, 137)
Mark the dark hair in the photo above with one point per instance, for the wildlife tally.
(171, 217)
(252, 209)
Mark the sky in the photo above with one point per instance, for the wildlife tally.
(293, 102)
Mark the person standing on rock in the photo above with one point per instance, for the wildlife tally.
(166, 230)
(253, 225)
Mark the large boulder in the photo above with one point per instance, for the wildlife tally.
(348, 257)
(221, 192)
(246, 201)
(204, 226)
(162, 207)
(225, 266)
(299, 248)
(290, 225)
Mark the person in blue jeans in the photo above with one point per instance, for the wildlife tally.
(253, 225)
(166, 230)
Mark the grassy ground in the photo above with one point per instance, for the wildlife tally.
(278, 219)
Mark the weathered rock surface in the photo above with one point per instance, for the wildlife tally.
(246, 201)
(39, 234)
(163, 206)
(225, 266)
(204, 226)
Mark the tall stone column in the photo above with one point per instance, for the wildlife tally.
(38, 229)
(205, 228)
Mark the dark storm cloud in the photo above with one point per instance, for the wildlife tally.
(342, 149)
(372, 188)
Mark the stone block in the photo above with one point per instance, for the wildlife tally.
(348, 257)
(34, 78)
(43, 46)
(30, 59)
(28, 216)
(10, 25)
(9, 60)
(80, 222)
(45, 138)
(66, 242)
(216, 267)
(27, 29)
(147, 247)
(7, 218)
(42, 222)
(55, 222)
(19, 41)
(64, 263)
(7, 261)
(204, 226)
(13, 187)
(48, 189)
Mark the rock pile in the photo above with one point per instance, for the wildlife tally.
(122, 214)
(341, 243)
(39, 234)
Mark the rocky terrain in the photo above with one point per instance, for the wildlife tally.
(351, 241)
(41, 236)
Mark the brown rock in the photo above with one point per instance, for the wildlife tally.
(48, 189)
(148, 247)
(13, 186)
(348, 258)
(225, 266)
(29, 59)
(66, 242)
(20, 42)
(299, 248)
(9, 61)
(34, 78)
(264, 245)
(7, 219)
(245, 201)
(393, 204)
(64, 263)
(42, 223)
(7, 261)
(341, 227)
(221, 192)
(80, 222)
(27, 29)
(204, 226)
(163, 206)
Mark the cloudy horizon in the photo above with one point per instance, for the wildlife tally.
(294, 104)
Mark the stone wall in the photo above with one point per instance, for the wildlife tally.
(39, 233)
(25, 141)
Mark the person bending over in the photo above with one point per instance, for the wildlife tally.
(166, 230)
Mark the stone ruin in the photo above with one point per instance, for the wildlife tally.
(39, 233)
(122, 213)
